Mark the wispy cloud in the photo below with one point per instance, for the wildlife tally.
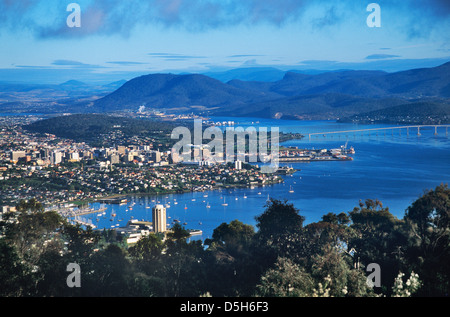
(74, 64)
(381, 56)
(125, 63)
(110, 17)
(246, 55)
(174, 57)
(47, 18)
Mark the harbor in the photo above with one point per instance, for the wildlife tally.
(294, 154)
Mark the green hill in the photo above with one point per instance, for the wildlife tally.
(413, 113)
(89, 127)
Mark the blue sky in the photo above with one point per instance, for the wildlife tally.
(123, 39)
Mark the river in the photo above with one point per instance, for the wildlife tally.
(392, 167)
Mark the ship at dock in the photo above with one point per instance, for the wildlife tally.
(316, 155)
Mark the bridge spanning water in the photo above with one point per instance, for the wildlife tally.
(385, 129)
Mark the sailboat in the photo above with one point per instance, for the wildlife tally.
(207, 205)
(291, 190)
(245, 196)
(224, 203)
(185, 207)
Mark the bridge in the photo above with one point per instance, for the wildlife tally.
(407, 128)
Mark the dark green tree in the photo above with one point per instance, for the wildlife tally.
(15, 276)
(182, 264)
(377, 239)
(278, 219)
(428, 223)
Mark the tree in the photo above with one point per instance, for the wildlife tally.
(229, 264)
(15, 276)
(377, 239)
(182, 264)
(234, 236)
(279, 218)
(108, 273)
(286, 279)
(428, 221)
(148, 248)
(333, 272)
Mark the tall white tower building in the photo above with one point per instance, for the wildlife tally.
(159, 218)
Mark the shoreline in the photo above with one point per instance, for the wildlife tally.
(124, 196)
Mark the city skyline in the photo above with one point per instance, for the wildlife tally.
(120, 40)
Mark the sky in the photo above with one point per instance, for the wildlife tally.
(124, 39)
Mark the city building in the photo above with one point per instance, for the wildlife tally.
(159, 218)
(16, 155)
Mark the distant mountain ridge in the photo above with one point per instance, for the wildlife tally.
(270, 93)
(297, 95)
(183, 92)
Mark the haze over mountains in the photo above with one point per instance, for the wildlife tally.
(296, 95)
(261, 92)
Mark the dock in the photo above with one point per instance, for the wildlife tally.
(116, 201)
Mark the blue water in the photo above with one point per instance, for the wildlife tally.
(391, 167)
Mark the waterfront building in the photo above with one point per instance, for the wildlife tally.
(159, 218)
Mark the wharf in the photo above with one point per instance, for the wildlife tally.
(117, 201)
(314, 158)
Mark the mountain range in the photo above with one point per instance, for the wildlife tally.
(258, 92)
(327, 95)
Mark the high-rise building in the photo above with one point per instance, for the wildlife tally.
(16, 155)
(155, 156)
(56, 157)
(159, 218)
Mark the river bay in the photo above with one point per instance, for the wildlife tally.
(388, 165)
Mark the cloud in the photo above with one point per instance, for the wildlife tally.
(47, 18)
(246, 55)
(110, 17)
(74, 64)
(174, 57)
(126, 63)
(380, 56)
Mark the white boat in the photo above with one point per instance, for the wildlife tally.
(224, 203)
(245, 196)
(208, 206)
(291, 190)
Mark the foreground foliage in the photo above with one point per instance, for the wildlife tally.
(283, 257)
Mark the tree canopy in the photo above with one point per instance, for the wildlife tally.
(283, 257)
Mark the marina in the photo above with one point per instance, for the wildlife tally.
(383, 168)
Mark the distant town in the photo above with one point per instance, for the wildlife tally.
(56, 170)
